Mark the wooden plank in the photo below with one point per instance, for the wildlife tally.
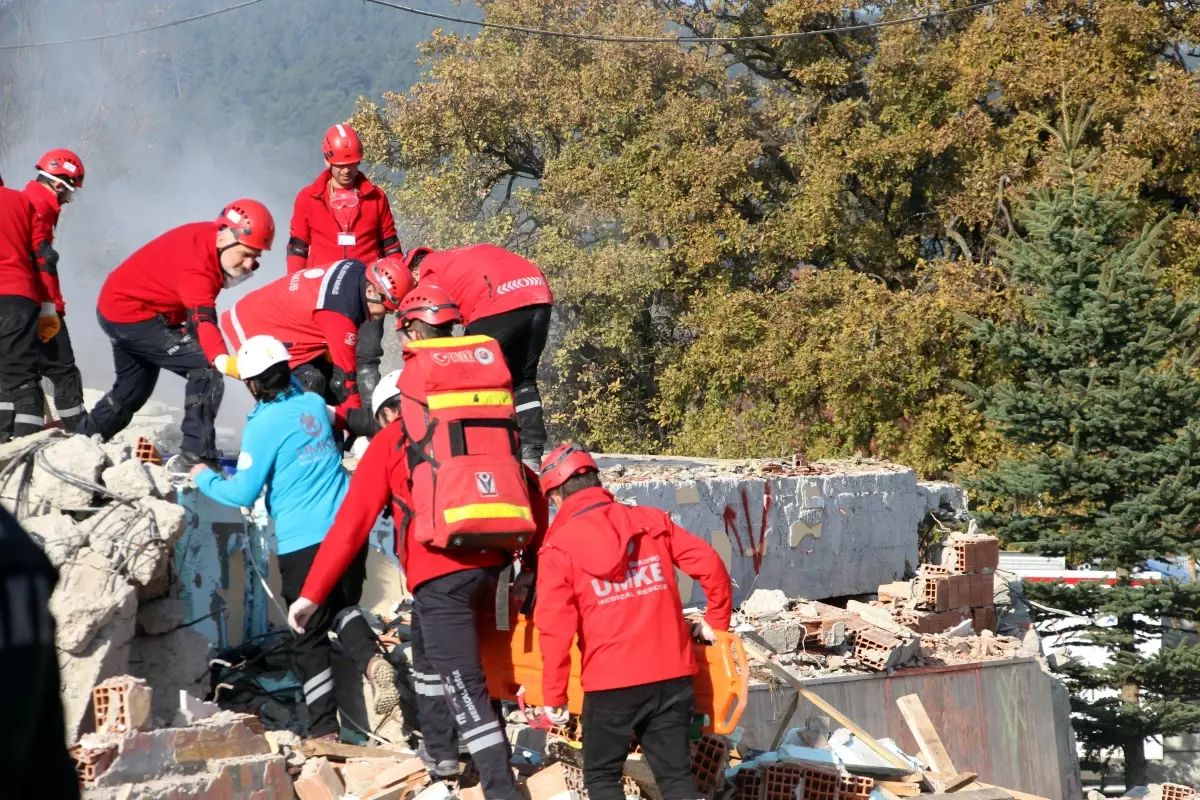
(887, 795)
(932, 750)
(900, 788)
(950, 783)
(1011, 792)
(336, 750)
(992, 793)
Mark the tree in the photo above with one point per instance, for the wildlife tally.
(651, 181)
(1103, 412)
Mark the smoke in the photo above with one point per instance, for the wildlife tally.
(174, 124)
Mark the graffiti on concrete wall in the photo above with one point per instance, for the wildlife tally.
(748, 544)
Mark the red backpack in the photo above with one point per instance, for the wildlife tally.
(466, 478)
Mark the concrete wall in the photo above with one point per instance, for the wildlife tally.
(814, 536)
(1007, 721)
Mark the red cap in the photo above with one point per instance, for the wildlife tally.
(430, 304)
(342, 146)
(564, 461)
(392, 278)
(250, 221)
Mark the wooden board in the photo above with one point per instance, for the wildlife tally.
(932, 750)
(338, 751)
(993, 793)
(900, 788)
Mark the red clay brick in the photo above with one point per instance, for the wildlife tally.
(709, 758)
(749, 783)
(780, 781)
(852, 787)
(319, 781)
(820, 785)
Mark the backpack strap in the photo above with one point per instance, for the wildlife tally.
(502, 587)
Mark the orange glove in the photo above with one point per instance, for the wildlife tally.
(48, 323)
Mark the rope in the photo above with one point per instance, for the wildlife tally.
(596, 37)
(157, 27)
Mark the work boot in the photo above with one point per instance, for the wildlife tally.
(180, 465)
(382, 677)
(438, 769)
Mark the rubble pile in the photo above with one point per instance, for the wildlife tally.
(634, 468)
(109, 523)
(1154, 791)
(947, 614)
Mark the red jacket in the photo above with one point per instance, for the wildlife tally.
(607, 574)
(319, 237)
(485, 280)
(22, 232)
(45, 202)
(311, 311)
(177, 276)
(382, 476)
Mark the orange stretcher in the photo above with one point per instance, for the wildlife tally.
(512, 661)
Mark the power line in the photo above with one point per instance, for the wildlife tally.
(158, 27)
(596, 37)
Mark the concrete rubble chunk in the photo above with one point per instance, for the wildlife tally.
(78, 456)
(89, 594)
(128, 479)
(163, 486)
(161, 616)
(117, 453)
(126, 536)
(172, 663)
(764, 601)
(121, 705)
(58, 534)
(171, 518)
(193, 710)
(319, 781)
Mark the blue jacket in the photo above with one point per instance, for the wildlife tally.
(288, 446)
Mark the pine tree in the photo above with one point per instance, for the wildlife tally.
(1103, 407)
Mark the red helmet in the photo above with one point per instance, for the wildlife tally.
(392, 279)
(62, 166)
(413, 254)
(430, 304)
(564, 461)
(342, 146)
(251, 223)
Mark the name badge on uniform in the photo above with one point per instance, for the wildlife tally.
(346, 240)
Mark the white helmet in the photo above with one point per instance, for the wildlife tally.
(258, 354)
(385, 390)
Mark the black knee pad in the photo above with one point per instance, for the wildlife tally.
(209, 388)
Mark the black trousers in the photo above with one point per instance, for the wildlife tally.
(451, 687)
(326, 686)
(21, 404)
(659, 714)
(315, 377)
(522, 335)
(58, 364)
(368, 352)
(140, 351)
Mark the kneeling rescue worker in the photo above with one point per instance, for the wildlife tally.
(159, 310)
(606, 574)
(320, 313)
(288, 447)
(457, 426)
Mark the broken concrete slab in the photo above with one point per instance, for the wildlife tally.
(164, 487)
(117, 453)
(58, 534)
(89, 595)
(105, 656)
(764, 601)
(175, 662)
(170, 518)
(78, 456)
(129, 479)
(161, 616)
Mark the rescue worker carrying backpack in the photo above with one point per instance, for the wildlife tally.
(159, 310)
(457, 431)
(343, 215)
(504, 296)
(59, 176)
(607, 575)
(288, 447)
(319, 313)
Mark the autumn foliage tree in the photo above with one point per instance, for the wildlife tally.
(722, 222)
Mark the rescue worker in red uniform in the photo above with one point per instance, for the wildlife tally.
(158, 309)
(504, 296)
(343, 215)
(27, 314)
(448, 586)
(59, 176)
(606, 574)
(319, 314)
